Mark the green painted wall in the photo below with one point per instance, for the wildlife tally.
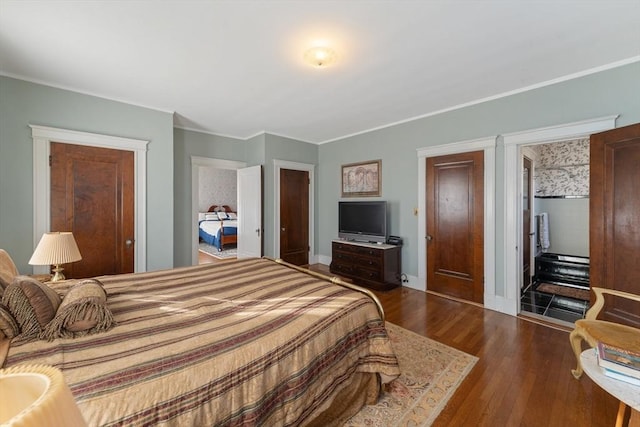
(568, 224)
(259, 150)
(281, 148)
(168, 177)
(187, 144)
(610, 92)
(23, 104)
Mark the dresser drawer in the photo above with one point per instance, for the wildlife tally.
(343, 256)
(370, 263)
(341, 267)
(375, 266)
(366, 274)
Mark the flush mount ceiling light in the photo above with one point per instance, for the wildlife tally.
(320, 56)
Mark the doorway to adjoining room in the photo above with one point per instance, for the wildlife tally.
(555, 204)
(217, 214)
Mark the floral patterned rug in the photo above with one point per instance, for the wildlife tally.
(431, 373)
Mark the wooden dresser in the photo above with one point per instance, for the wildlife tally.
(368, 264)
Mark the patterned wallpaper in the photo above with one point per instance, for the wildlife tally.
(562, 168)
(217, 187)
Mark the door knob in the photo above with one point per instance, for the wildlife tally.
(128, 242)
(429, 238)
(258, 231)
(282, 229)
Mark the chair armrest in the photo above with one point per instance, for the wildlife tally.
(593, 312)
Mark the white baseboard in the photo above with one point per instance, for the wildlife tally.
(323, 259)
(500, 304)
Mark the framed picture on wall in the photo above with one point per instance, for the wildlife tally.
(362, 179)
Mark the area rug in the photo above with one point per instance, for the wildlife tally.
(213, 251)
(431, 373)
(565, 291)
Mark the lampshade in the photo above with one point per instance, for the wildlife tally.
(58, 247)
(320, 56)
(36, 395)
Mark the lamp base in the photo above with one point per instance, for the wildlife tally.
(57, 274)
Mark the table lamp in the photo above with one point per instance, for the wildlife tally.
(37, 395)
(56, 248)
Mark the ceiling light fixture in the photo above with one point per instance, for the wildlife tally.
(320, 56)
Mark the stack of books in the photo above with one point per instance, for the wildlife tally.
(619, 363)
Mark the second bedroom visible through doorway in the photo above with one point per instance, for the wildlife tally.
(217, 211)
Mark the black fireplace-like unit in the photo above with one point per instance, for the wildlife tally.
(566, 270)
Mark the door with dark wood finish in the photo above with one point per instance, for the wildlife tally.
(92, 195)
(294, 216)
(526, 222)
(455, 225)
(614, 219)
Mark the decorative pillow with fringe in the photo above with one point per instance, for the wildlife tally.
(32, 304)
(83, 311)
(8, 325)
(8, 270)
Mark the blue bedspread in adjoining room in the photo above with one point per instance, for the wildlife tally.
(210, 231)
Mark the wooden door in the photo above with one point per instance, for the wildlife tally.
(92, 195)
(250, 228)
(455, 225)
(614, 219)
(527, 201)
(294, 216)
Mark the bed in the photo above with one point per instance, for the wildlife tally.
(246, 342)
(218, 226)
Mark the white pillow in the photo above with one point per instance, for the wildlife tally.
(232, 215)
(211, 216)
(222, 215)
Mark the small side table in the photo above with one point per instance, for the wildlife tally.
(627, 394)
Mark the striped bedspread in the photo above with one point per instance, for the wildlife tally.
(246, 342)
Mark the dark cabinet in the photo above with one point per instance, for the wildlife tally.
(564, 270)
(371, 265)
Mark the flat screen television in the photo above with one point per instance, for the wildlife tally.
(363, 221)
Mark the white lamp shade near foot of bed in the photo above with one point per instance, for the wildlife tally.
(36, 395)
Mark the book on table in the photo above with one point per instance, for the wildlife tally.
(622, 377)
(619, 360)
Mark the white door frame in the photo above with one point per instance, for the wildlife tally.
(42, 138)
(284, 164)
(196, 164)
(488, 145)
(531, 155)
(513, 182)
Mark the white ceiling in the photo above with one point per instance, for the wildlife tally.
(235, 68)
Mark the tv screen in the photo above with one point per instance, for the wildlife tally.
(363, 221)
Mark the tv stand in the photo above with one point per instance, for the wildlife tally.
(376, 266)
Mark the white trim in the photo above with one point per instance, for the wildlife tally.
(84, 92)
(196, 163)
(42, 137)
(569, 77)
(513, 182)
(561, 132)
(284, 164)
(488, 145)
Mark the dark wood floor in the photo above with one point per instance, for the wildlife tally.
(523, 375)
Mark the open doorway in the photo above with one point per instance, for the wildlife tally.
(512, 169)
(200, 167)
(555, 230)
(217, 214)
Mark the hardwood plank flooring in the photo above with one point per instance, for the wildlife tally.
(523, 375)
